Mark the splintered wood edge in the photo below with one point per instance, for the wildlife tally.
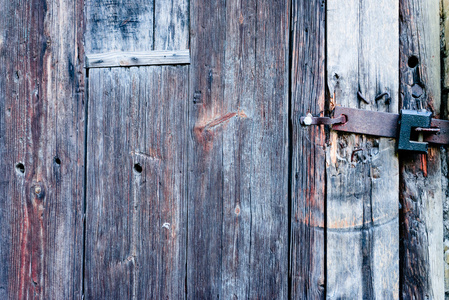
(130, 59)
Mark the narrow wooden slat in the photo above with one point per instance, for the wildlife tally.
(130, 59)
(136, 183)
(238, 164)
(41, 149)
(362, 173)
(308, 154)
(444, 27)
(205, 179)
(421, 194)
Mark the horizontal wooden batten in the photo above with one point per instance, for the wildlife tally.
(130, 59)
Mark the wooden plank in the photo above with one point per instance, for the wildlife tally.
(41, 149)
(238, 163)
(444, 27)
(362, 173)
(422, 263)
(136, 170)
(132, 59)
(308, 155)
(119, 25)
(137, 159)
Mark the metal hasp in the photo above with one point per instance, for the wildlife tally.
(405, 126)
(412, 119)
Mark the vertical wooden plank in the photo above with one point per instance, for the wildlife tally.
(421, 195)
(444, 27)
(444, 42)
(136, 183)
(41, 149)
(205, 179)
(237, 157)
(238, 193)
(137, 146)
(362, 172)
(308, 154)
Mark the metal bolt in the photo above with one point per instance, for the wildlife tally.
(308, 119)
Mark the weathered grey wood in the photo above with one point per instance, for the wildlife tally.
(308, 154)
(41, 149)
(238, 163)
(137, 158)
(136, 223)
(362, 173)
(119, 25)
(130, 59)
(421, 194)
(171, 28)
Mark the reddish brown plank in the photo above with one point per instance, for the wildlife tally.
(41, 149)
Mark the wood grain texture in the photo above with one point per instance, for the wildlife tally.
(171, 28)
(308, 154)
(362, 173)
(444, 27)
(238, 163)
(422, 260)
(137, 158)
(136, 223)
(119, 25)
(41, 149)
(133, 59)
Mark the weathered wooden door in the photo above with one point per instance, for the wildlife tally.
(153, 150)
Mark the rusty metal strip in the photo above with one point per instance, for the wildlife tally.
(367, 122)
(385, 125)
(441, 137)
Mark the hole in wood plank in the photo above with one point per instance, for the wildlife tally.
(20, 168)
(138, 168)
(57, 160)
(413, 61)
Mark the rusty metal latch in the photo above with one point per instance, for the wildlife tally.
(413, 129)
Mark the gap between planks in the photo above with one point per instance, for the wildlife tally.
(131, 59)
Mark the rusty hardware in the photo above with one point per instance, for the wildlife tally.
(311, 120)
(412, 119)
(409, 127)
